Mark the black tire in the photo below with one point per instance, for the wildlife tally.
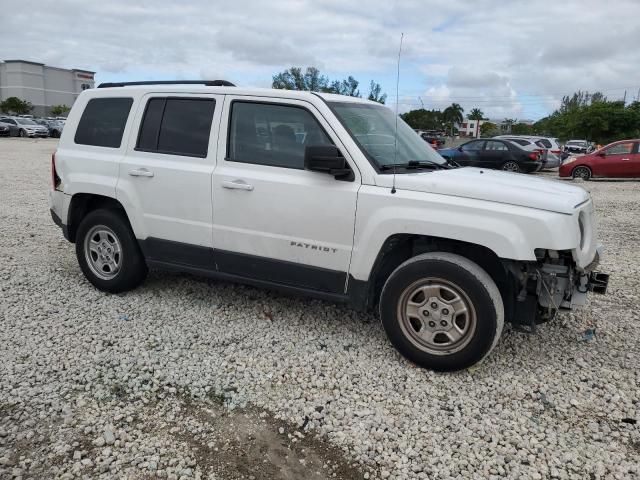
(55, 134)
(132, 266)
(511, 166)
(22, 133)
(581, 172)
(472, 282)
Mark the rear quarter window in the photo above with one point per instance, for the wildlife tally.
(103, 121)
(177, 126)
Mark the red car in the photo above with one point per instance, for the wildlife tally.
(618, 159)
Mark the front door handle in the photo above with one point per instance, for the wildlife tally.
(237, 185)
(140, 172)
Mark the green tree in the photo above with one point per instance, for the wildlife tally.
(348, 87)
(59, 110)
(477, 115)
(374, 93)
(489, 129)
(593, 117)
(295, 79)
(422, 119)
(452, 115)
(313, 81)
(16, 106)
(521, 129)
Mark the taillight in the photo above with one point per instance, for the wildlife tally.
(55, 179)
(556, 152)
(534, 156)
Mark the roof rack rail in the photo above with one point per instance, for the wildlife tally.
(207, 83)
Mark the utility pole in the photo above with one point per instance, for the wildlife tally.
(638, 96)
(624, 100)
(421, 103)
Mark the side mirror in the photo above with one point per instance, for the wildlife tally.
(327, 159)
(460, 148)
(601, 153)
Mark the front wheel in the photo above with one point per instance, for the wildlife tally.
(511, 166)
(442, 311)
(108, 252)
(23, 133)
(581, 172)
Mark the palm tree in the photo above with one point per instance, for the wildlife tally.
(477, 115)
(453, 114)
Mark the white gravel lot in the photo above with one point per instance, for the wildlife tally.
(191, 378)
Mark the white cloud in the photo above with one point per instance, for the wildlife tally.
(510, 58)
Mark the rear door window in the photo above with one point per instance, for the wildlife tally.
(103, 121)
(495, 145)
(176, 126)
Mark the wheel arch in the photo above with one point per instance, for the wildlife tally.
(399, 248)
(83, 203)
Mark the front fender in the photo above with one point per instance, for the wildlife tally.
(511, 232)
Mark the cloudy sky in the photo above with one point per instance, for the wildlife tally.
(509, 58)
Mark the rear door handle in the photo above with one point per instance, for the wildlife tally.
(237, 185)
(140, 172)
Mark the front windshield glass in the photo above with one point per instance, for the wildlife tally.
(26, 121)
(373, 127)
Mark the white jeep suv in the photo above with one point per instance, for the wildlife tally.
(317, 194)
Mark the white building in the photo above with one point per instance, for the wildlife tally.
(42, 85)
(470, 128)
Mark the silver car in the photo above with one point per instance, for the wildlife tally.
(24, 127)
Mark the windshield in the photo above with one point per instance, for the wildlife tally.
(25, 121)
(373, 127)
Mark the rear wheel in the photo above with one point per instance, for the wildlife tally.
(442, 311)
(108, 252)
(511, 166)
(581, 172)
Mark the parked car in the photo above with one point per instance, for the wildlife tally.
(548, 146)
(528, 144)
(5, 129)
(435, 139)
(177, 177)
(55, 127)
(618, 159)
(494, 153)
(25, 127)
(576, 146)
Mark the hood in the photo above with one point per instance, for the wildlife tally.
(496, 186)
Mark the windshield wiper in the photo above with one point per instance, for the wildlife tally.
(415, 164)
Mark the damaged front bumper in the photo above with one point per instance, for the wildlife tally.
(552, 284)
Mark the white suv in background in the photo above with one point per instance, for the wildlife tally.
(319, 195)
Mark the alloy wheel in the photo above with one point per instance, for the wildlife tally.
(103, 252)
(511, 166)
(436, 316)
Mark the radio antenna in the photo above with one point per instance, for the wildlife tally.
(395, 137)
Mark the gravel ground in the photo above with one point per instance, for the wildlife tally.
(191, 378)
